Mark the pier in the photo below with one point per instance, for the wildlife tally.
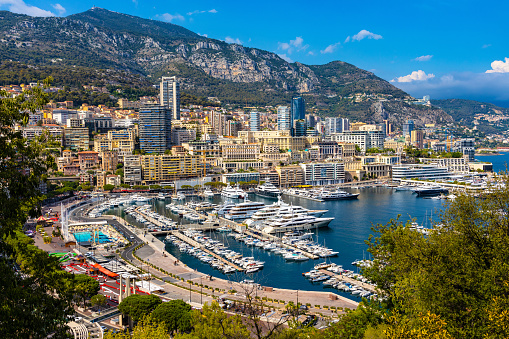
(341, 277)
(194, 243)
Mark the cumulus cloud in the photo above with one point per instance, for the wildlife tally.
(59, 8)
(285, 57)
(169, 17)
(231, 40)
(363, 34)
(414, 76)
(423, 58)
(200, 12)
(491, 87)
(296, 44)
(331, 48)
(20, 7)
(499, 66)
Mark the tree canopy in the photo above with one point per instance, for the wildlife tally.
(138, 306)
(176, 315)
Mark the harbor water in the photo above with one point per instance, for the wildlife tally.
(346, 234)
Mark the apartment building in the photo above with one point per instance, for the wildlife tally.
(290, 175)
(456, 165)
(132, 170)
(88, 160)
(32, 132)
(76, 139)
(237, 152)
(324, 173)
(168, 168)
(109, 161)
(364, 139)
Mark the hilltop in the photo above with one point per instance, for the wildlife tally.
(99, 41)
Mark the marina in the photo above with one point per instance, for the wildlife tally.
(345, 234)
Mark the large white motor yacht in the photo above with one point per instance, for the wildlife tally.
(299, 222)
(233, 192)
(244, 210)
(267, 190)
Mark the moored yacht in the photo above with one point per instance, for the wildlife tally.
(233, 192)
(296, 223)
(244, 210)
(208, 193)
(267, 190)
(336, 195)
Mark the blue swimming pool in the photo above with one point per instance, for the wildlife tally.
(101, 238)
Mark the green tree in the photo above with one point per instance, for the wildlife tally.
(85, 287)
(98, 300)
(145, 329)
(176, 315)
(120, 172)
(138, 306)
(108, 187)
(36, 294)
(213, 323)
(455, 272)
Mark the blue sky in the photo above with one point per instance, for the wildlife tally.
(442, 48)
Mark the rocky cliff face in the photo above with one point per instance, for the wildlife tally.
(104, 39)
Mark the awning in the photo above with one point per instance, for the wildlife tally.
(105, 271)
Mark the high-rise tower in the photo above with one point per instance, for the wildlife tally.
(170, 95)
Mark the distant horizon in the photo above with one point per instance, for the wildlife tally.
(448, 59)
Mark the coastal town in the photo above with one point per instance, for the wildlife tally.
(114, 164)
(278, 171)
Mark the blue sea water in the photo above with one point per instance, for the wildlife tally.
(347, 234)
(500, 162)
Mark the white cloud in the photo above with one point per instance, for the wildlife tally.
(347, 39)
(311, 53)
(363, 34)
(330, 48)
(486, 45)
(491, 87)
(200, 12)
(169, 17)
(59, 8)
(423, 58)
(205, 35)
(289, 47)
(285, 57)
(414, 76)
(499, 66)
(231, 40)
(20, 7)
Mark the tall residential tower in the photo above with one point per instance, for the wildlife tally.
(170, 95)
(155, 129)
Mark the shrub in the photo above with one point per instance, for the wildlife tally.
(317, 306)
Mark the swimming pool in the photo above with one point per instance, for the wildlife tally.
(101, 238)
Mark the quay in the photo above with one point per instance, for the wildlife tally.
(242, 229)
(368, 287)
(194, 243)
(204, 227)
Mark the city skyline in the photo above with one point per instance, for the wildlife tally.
(421, 48)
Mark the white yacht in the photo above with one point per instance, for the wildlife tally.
(161, 196)
(224, 209)
(179, 196)
(336, 195)
(280, 208)
(267, 190)
(208, 193)
(244, 210)
(294, 222)
(233, 192)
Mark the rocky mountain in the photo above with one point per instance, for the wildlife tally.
(102, 39)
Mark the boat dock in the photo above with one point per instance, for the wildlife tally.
(341, 277)
(194, 243)
(303, 197)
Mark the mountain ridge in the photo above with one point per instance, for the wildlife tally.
(236, 74)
